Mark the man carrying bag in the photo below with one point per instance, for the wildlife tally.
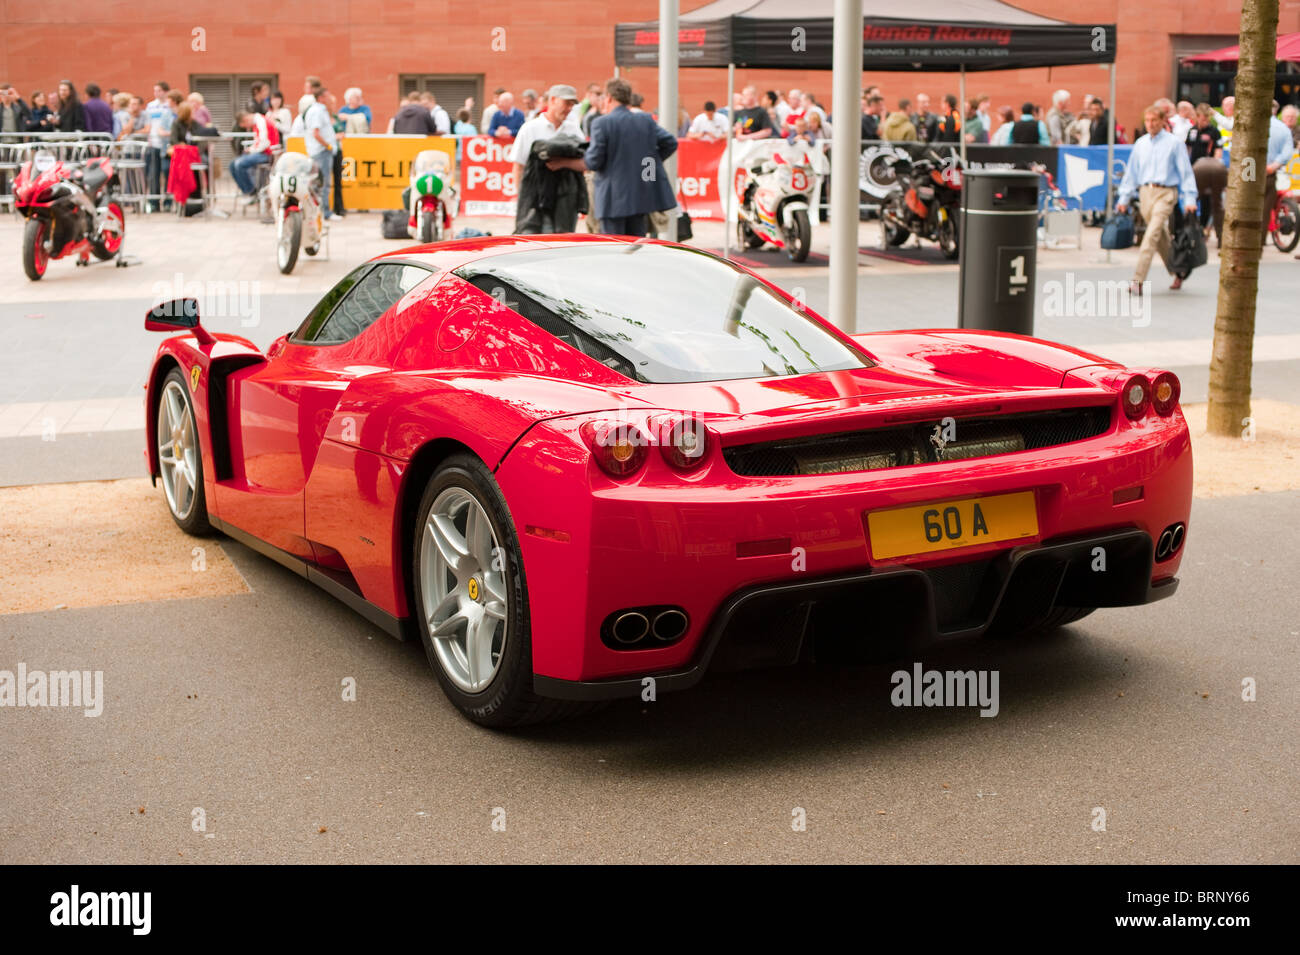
(1160, 174)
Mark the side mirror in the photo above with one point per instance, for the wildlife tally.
(168, 316)
(179, 313)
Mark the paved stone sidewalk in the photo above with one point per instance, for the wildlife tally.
(242, 249)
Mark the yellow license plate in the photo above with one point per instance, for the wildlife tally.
(945, 525)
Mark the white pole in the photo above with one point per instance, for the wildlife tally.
(961, 107)
(729, 186)
(846, 156)
(1110, 145)
(668, 96)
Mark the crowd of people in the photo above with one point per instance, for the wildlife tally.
(550, 184)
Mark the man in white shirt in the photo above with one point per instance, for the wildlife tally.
(257, 153)
(793, 110)
(490, 109)
(318, 129)
(556, 120)
(710, 125)
(441, 121)
(1182, 121)
(782, 109)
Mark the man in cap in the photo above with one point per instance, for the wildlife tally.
(539, 208)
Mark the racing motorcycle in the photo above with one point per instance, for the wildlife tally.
(299, 218)
(430, 197)
(774, 197)
(924, 202)
(69, 211)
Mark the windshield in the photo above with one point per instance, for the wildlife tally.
(661, 314)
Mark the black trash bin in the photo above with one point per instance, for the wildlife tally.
(999, 245)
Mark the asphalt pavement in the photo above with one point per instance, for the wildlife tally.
(230, 711)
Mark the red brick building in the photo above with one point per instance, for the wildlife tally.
(462, 48)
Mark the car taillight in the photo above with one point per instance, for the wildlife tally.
(683, 442)
(619, 449)
(1136, 396)
(1165, 390)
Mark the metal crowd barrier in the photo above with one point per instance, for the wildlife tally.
(126, 155)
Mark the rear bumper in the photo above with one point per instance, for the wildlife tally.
(772, 625)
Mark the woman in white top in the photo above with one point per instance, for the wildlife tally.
(279, 114)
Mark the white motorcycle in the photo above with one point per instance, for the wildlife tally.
(299, 218)
(431, 199)
(774, 197)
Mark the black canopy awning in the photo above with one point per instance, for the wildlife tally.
(938, 35)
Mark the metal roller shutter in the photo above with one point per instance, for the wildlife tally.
(451, 91)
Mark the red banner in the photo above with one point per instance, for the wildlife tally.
(697, 178)
(488, 187)
(487, 179)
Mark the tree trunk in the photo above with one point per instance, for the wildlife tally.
(1234, 321)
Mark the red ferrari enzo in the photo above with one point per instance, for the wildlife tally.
(577, 466)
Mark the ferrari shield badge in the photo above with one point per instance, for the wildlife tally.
(194, 378)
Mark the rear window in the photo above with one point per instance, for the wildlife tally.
(661, 314)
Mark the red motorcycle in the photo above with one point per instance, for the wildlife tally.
(68, 211)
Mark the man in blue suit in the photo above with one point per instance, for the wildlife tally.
(627, 154)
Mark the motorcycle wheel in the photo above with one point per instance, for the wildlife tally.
(798, 239)
(426, 226)
(108, 248)
(895, 234)
(746, 237)
(286, 252)
(35, 258)
(1287, 233)
(947, 236)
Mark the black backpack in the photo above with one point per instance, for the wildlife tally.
(1025, 132)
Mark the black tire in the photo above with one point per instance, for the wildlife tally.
(946, 236)
(895, 234)
(311, 249)
(196, 522)
(798, 241)
(1287, 233)
(101, 250)
(746, 237)
(426, 226)
(286, 254)
(35, 259)
(508, 700)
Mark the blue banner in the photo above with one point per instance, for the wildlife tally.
(1081, 174)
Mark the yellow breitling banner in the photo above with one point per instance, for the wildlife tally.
(377, 168)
